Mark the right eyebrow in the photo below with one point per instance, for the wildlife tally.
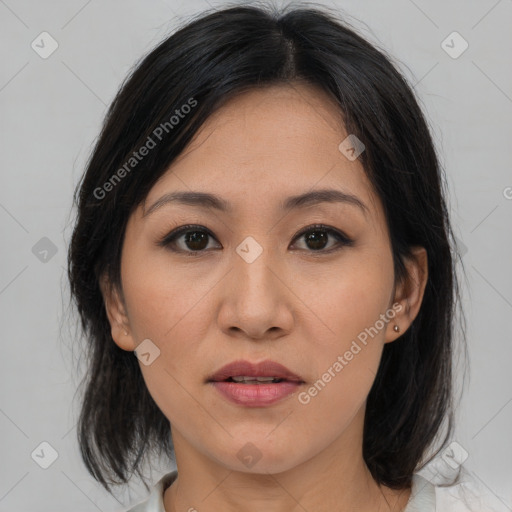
(200, 199)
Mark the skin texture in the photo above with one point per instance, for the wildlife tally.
(293, 305)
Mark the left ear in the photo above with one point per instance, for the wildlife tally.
(409, 293)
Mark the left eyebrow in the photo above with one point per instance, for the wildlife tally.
(206, 200)
(323, 196)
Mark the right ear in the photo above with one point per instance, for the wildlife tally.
(117, 315)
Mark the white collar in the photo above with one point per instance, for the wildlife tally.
(423, 495)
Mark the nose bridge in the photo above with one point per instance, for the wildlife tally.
(253, 268)
(254, 301)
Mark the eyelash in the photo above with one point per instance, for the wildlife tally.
(170, 238)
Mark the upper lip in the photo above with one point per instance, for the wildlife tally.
(265, 368)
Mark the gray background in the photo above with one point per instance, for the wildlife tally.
(51, 113)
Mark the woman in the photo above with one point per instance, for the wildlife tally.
(262, 265)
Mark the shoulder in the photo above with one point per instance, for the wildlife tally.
(155, 501)
(470, 495)
(462, 493)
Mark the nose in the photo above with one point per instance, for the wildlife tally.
(256, 300)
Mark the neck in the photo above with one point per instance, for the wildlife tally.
(334, 479)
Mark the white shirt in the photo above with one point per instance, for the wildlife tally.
(425, 497)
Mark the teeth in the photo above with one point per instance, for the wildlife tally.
(255, 379)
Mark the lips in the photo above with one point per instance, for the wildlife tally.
(242, 368)
(247, 384)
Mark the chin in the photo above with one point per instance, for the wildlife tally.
(257, 455)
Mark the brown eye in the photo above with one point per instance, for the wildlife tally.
(316, 238)
(189, 239)
(196, 240)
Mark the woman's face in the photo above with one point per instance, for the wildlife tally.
(246, 284)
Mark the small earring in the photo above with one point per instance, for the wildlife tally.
(396, 328)
(126, 333)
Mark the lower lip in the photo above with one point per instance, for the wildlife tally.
(256, 395)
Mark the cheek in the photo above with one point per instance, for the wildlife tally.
(348, 298)
(346, 335)
(170, 316)
(346, 365)
(170, 307)
(162, 299)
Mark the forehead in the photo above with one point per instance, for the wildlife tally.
(272, 120)
(268, 143)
